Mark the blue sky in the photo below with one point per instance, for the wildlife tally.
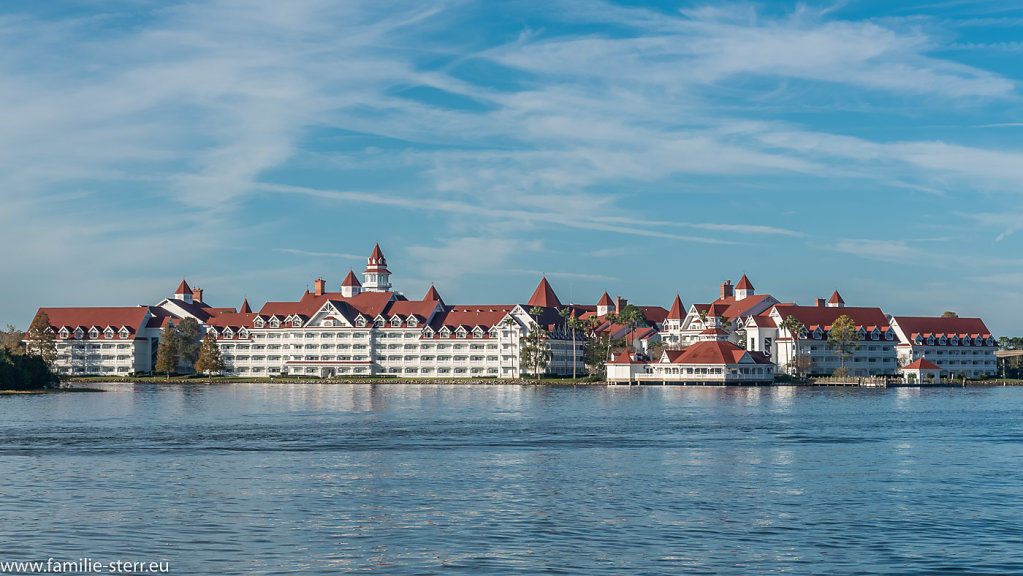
(640, 148)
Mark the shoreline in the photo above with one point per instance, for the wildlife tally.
(481, 382)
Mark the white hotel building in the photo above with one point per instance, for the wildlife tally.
(364, 329)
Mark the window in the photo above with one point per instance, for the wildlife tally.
(395, 322)
(93, 332)
(412, 322)
(258, 322)
(108, 333)
(275, 322)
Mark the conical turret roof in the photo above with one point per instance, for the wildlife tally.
(544, 296)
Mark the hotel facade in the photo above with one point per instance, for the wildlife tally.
(367, 329)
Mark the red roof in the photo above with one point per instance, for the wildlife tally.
(544, 296)
(716, 310)
(715, 332)
(824, 317)
(245, 307)
(432, 294)
(677, 310)
(183, 289)
(744, 284)
(351, 280)
(712, 352)
(922, 364)
(100, 317)
(763, 321)
(927, 325)
(470, 316)
(623, 358)
(605, 300)
(836, 298)
(377, 255)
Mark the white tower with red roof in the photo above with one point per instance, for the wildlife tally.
(376, 276)
(744, 289)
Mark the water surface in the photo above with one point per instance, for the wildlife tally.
(408, 479)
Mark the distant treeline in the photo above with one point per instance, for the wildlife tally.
(25, 372)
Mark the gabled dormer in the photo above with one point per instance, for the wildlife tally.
(428, 332)
(461, 332)
(396, 321)
(108, 333)
(64, 333)
(413, 322)
(243, 332)
(445, 332)
(124, 332)
(79, 333)
(275, 321)
(258, 322)
(380, 321)
(477, 332)
(93, 332)
(227, 333)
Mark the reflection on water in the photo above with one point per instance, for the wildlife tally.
(400, 479)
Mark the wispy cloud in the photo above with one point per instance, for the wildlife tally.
(326, 254)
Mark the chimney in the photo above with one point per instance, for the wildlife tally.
(819, 303)
(197, 295)
(726, 289)
(321, 286)
(620, 304)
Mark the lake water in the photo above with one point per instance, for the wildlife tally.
(393, 479)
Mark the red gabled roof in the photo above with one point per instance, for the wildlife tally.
(623, 358)
(245, 307)
(836, 298)
(911, 325)
(101, 317)
(714, 332)
(183, 289)
(654, 314)
(544, 296)
(677, 310)
(710, 352)
(921, 364)
(605, 300)
(763, 321)
(351, 280)
(824, 317)
(483, 316)
(744, 284)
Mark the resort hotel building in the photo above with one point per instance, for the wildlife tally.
(364, 328)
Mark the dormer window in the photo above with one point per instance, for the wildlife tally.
(243, 333)
(428, 332)
(919, 339)
(379, 323)
(818, 334)
(461, 332)
(64, 333)
(93, 332)
(108, 333)
(412, 322)
(258, 322)
(328, 322)
(79, 333)
(954, 341)
(360, 322)
(396, 322)
(228, 333)
(444, 332)
(889, 336)
(478, 332)
(296, 321)
(124, 333)
(990, 341)
(275, 322)
(943, 341)
(930, 340)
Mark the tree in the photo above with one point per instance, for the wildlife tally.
(210, 360)
(795, 329)
(534, 353)
(843, 337)
(800, 364)
(573, 324)
(40, 340)
(167, 353)
(949, 314)
(10, 340)
(189, 333)
(631, 316)
(25, 372)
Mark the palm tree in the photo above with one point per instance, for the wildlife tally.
(795, 329)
